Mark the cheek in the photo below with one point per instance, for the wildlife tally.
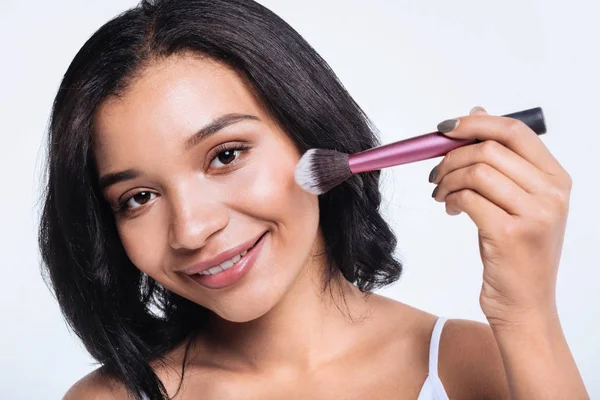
(265, 189)
(274, 192)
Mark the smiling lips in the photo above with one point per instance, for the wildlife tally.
(223, 261)
(234, 271)
(225, 266)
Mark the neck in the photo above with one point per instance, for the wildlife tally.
(309, 326)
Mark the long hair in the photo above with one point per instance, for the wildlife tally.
(106, 300)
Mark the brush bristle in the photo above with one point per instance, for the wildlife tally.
(320, 170)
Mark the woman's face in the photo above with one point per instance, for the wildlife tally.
(203, 179)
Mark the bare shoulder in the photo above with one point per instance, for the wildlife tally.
(469, 361)
(470, 365)
(97, 385)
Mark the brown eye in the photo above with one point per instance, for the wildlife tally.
(224, 157)
(139, 199)
(227, 156)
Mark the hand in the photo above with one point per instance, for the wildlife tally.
(517, 194)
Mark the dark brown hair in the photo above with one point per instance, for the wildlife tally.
(104, 297)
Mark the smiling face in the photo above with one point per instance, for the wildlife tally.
(198, 173)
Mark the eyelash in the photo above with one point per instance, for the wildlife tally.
(227, 147)
(122, 207)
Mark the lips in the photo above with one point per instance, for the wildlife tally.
(222, 257)
(236, 272)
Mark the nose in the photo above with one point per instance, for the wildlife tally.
(195, 220)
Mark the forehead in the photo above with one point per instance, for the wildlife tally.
(168, 101)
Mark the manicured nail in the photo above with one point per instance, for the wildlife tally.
(447, 125)
(434, 192)
(433, 174)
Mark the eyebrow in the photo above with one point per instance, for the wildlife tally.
(116, 177)
(213, 127)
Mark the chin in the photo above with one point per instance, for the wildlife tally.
(265, 287)
(250, 306)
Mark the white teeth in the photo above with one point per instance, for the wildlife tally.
(224, 266)
(215, 270)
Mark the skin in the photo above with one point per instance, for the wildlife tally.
(517, 194)
(274, 334)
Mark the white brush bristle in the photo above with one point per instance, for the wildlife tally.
(320, 170)
(304, 175)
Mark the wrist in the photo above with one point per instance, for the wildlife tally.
(535, 335)
(533, 320)
(537, 359)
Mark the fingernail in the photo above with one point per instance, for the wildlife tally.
(447, 125)
(434, 192)
(433, 174)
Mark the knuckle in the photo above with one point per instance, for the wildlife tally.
(544, 216)
(462, 196)
(558, 197)
(567, 181)
(480, 172)
(514, 126)
(489, 149)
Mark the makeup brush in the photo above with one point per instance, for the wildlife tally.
(320, 170)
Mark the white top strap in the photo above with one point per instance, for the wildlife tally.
(435, 345)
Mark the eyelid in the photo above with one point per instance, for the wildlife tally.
(124, 199)
(229, 146)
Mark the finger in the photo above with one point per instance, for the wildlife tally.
(485, 214)
(488, 182)
(511, 132)
(490, 152)
(478, 110)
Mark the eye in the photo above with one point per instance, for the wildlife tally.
(138, 200)
(227, 154)
(225, 157)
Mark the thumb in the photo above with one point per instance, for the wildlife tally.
(478, 110)
(448, 126)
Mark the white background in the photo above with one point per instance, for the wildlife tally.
(409, 64)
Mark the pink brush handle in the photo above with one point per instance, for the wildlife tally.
(427, 146)
(418, 148)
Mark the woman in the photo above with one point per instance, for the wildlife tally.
(191, 265)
